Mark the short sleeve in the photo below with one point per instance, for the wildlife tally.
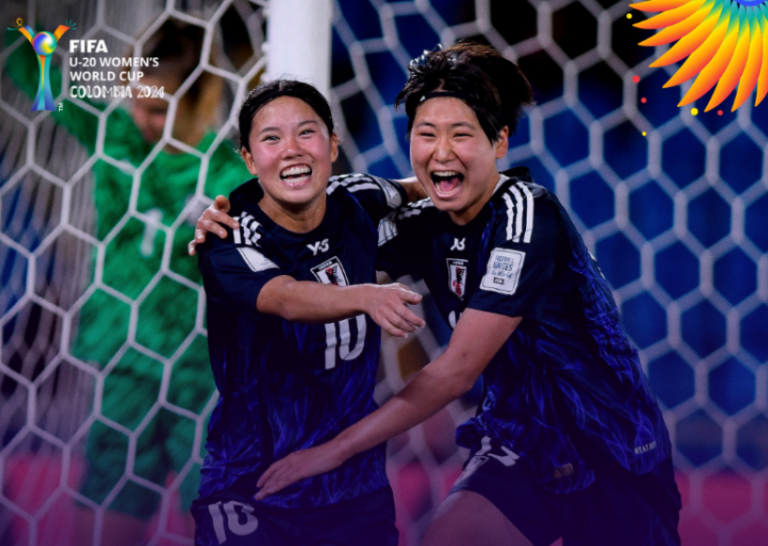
(378, 196)
(392, 254)
(521, 261)
(236, 273)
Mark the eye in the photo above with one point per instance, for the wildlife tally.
(270, 138)
(308, 132)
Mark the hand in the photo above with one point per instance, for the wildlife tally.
(387, 305)
(297, 466)
(209, 223)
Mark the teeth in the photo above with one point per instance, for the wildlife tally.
(298, 170)
(445, 174)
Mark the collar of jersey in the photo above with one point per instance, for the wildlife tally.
(331, 217)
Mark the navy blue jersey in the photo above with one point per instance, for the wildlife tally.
(568, 369)
(287, 386)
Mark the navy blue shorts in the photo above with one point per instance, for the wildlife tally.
(368, 519)
(619, 509)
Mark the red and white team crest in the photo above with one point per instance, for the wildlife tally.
(457, 276)
(331, 272)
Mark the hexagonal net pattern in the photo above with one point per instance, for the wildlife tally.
(673, 205)
(102, 315)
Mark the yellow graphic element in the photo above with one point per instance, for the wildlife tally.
(644, 133)
(726, 42)
(695, 111)
(629, 16)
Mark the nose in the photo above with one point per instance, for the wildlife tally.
(443, 149)
(291, 147)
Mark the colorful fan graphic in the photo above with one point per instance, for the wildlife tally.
(726, 42)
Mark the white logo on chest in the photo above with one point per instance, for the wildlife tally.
(320, 246)
(458, 244)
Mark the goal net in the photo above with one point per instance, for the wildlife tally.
(674, 205)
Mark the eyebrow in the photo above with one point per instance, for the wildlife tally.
(299, 125)
(452, 125)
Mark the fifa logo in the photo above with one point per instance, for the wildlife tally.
(44, 44)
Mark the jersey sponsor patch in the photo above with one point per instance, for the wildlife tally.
(331, 272)
(457, 277)
(503, 273)
(255, 259)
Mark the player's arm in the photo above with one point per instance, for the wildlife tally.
(312, 302)
(478, 336)
(213, 220)
(251, 281)
(413, 188)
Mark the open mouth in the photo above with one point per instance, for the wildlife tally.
(296, 175)
(447, 183)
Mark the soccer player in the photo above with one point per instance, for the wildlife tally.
(132, 259)
(293, 352)
(568, 440)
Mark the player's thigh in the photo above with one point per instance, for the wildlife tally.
(467, 518)
(509, 485)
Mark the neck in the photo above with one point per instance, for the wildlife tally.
(468, 214)
(298, 219)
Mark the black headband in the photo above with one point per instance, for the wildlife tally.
(436, 94)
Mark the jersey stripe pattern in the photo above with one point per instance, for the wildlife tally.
(568, 376)
(287, 386)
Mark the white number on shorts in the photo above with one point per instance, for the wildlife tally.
(233, 519)
(343, 340)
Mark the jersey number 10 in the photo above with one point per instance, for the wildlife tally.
(338, 333)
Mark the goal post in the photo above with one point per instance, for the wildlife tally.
(299, 41)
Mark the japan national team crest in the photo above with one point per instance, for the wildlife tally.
(331, 272)
(457, 276)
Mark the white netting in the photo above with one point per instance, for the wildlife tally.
(677, 218)
(54, 263)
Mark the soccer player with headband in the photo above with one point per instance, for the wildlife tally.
(568, 440)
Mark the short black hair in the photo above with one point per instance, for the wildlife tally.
(492, 85)
(267, 92)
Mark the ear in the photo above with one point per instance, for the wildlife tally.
(502, 143)
(248, 158)
(334, 147)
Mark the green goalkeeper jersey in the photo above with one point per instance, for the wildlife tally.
(134, 244)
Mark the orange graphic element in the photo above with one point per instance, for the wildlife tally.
(726, 42)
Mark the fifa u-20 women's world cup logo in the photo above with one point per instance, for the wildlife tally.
(44, 44)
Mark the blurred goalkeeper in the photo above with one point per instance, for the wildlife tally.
(133, 257)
